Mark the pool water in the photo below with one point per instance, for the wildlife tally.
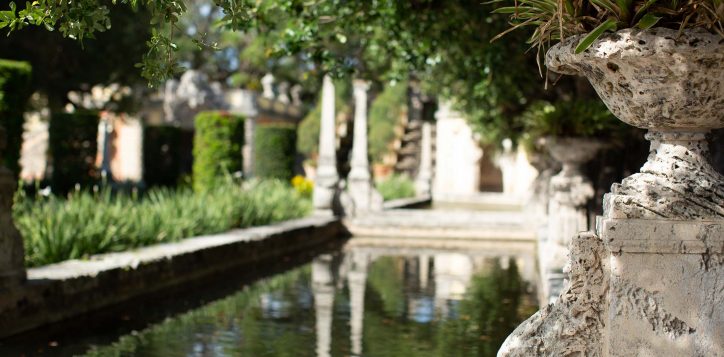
(358, 301)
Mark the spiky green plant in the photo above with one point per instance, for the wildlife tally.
(554, 20)
(87, 223)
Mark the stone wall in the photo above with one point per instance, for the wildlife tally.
(72, 288)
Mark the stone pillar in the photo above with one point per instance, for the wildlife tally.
(325, 185)
(323, 290)
(363, 194)
(569, 193)
(357, 279)
(12, 259)
(423, 182)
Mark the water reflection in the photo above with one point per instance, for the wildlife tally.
(373, 298)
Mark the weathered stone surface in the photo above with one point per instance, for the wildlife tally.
(569, 193)
(573, 326)
(676, 182)
(658, 78)
(662, 235)
(12, 261)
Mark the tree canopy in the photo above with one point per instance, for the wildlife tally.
(448, 44)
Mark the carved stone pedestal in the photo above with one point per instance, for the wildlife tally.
(650, 281)
(12, 260)
(569, 193)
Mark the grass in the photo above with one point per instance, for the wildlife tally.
(396, 187)
(87, 223)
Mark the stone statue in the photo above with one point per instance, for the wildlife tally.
(193, 93)
(267, 82)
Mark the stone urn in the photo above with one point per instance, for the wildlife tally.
(673, 85)
(648, 280)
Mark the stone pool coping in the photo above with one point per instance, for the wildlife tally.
(71, 288)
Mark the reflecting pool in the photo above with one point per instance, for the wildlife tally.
(375, 297)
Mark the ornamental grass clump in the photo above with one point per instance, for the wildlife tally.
(86, 223)
(555, 20)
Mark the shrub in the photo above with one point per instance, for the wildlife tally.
(217, 148)
(167, 155)
(395, 187)
(385, 113)
(14, 92)
(73, 148)
(586, 118)
(275, 151)
(86, 223)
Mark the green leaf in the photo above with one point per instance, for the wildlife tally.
(648, 21)
(586, 42)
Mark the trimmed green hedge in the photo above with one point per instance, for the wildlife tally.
(167, 155)
(73, 144)
(275, 151)
(217, 147)
(15, 88)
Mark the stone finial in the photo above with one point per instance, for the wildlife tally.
(296, 93)
(283, 90)
(267, 82)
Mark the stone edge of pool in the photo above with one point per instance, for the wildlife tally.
(61, 291)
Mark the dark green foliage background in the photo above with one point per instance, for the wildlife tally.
(167, 155)
(275, 151)
(73, 145)
(15, 77)
(217, 147)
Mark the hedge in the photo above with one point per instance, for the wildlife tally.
(15, 88)
(275, 151)
(167, 155)
(217, 147)
(73, 144)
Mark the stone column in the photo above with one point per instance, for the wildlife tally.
(267, 83)
(323, 290)
(363, 194)
(12, 259)
(357, 279)
(325, 185)
(423, 182)
(569, 193)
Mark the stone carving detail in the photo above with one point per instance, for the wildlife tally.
(573, 325)
(659, 78)
(193, 93)
(676, 182)
(12, 261)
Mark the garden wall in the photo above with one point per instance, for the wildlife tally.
(69, 289)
